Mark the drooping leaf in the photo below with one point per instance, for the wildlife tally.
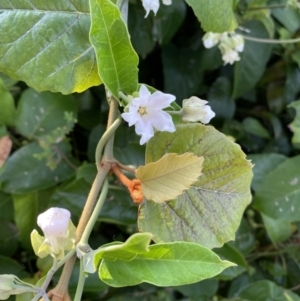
(210, 211)
(46, 44)
(295, 125)
(116, 59)
(167, 264)
(168, 177)
(278, 194)
(25, 173)
(214, 15)
(254, 58)
(39, 114)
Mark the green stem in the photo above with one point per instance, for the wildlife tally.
(271, 41)
(105, 138)
(80, 284)
(93, 219)
(175, 112)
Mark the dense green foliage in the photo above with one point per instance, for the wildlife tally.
(54, 135)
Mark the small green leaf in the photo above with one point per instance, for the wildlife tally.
(47, 45)
(7, 104)
(295, 125)
(20, 177)
(210, 211)
(167, 264)
(214, 15)
(39, 114)
(254, 127)
(254, 58)
(168, 177)
(278, 195)
(117, 60)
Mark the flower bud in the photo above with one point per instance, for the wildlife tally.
(60, 233)
(238, 42)
(12, 285)
(195, 109)
(211, 39)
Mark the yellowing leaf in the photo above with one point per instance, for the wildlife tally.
(5, 148)
(168, 177)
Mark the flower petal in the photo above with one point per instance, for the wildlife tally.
(131, 118)
(163, 122)
(143, 127)
(159, 100)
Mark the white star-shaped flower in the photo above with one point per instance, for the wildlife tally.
(146, 113)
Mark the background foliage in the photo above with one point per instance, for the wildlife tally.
(52, 163)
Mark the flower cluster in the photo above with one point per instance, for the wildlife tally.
(154, 5)
(146, 113)
(59, 231)
(229, 43)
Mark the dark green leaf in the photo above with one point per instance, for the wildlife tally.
(253, 61)
(8, 238)
(117, 61)
(47, 45)
(7, 104)
(24, 173)
(214, 15)
(39, 114)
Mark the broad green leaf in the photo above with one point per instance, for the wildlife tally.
(7, 104)
(263, 164)
(266, 290)
(295, 125)
(214, 15)
(168, 177)
(11, 266)
(24, 173)
(8, 238)
(167, 264)
(136, 244)
(39, 114)
(278, 194)
(210, 211)
(254, 58)
(6, 207)
(231, 253)
(290, 18)
(117, 60)
(277, 229)
(46, 44)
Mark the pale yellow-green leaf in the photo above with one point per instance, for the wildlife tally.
(168, 177)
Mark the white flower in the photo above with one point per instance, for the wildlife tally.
(195, 109)
(238, 42)
(211, 39)
(153, 5)
(59, 233)
(146, 113)
(230, 56)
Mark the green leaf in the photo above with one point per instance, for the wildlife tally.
(140, 29)
(168, 177)
(168, 20)
(295, 125)
(214, 15)
(117, 60)
(7, 104)
(9, 238)
(6, 207)
(254, 58)
(277, 229)
(278, 194)
(39, 114)
(266, 290)
(182, 71)
(254, 127)
(167, 264)
(209, 212)
(47, 45)
(24, 173)
(205, 288)
(11, 266)
(263, 165)
(290, 18)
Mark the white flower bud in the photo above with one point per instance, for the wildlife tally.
(211, 39)
(230, 56)
(195, 109)
(150, 5)
(238, 42)
(59, 233)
